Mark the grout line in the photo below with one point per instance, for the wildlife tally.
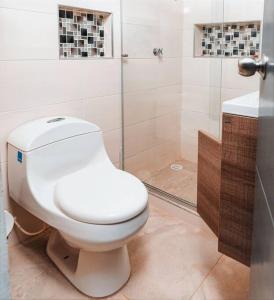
(146, 90)
(155, 145)
(156, 25)
(171, 112)
(60, 60)
(84, 100)
(52, 13)
(208, 273)
(165, 57)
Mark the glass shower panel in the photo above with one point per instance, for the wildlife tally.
(168, 93)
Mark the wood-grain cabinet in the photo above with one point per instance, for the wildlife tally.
(226, 184)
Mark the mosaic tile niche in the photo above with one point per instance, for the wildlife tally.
(84, 33)
(228, 40)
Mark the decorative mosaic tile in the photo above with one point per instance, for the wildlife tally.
(81, 33)
(231, 40)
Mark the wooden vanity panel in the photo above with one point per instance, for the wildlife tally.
(239, 140)
(209, 172)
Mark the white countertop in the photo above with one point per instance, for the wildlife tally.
(247, 105)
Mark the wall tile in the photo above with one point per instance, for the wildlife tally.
(141, 74)
(167, 128)
(139, 106)
(140, 137)
(144, 12)
(152, 85)
(104, 111)
(143, 136)
(113, 144)
(232, 80)
(171, 14)
(147, 163)
(192, 121)
(189, 147)
(31, 5)
(112, 6)
(140, 40)
(246, 10)
(168, 99)
(144, 74)
(202, 71)
(199, 98)
(171, 40)
(26, 84)
(27, 35)
(200, 12)
(51, 7)
(148, 104)
(231, 40)
(188, 42)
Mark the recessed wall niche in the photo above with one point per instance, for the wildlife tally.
(84, 33)
(228, 40)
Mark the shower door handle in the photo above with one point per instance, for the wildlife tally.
(249, 66)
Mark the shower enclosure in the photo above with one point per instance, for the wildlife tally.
(178, 65)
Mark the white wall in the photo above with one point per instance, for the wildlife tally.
(207, 82)
(35, 83)
(152, 85)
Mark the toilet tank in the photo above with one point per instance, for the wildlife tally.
(50, 148)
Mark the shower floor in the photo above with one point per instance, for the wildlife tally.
(180, 183)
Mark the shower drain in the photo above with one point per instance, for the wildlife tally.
(176, 167)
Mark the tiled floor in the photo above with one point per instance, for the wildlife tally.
(182, 183)
(174, 258)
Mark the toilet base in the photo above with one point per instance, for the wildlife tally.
(96, 274)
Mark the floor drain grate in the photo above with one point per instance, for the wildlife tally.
(176, 167)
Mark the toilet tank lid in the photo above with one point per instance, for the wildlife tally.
(41, 132)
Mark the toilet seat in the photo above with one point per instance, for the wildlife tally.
(95, 195)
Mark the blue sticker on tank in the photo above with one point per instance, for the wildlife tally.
(20, 156)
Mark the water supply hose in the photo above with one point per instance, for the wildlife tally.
(28, 233)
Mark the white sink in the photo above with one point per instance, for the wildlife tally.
(247, 105)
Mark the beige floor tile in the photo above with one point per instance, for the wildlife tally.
(182, 184)
(170, 259)
(169, 263)
(228, 280)
(33, 275)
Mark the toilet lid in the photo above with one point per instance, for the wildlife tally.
(99, 196)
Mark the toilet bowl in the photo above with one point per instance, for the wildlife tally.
(59, 171)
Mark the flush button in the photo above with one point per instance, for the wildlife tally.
(55, 120)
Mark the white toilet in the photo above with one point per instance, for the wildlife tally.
(59, 171)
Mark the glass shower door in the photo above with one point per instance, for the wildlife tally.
(168, 94)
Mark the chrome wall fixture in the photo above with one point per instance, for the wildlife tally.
(158, 52)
